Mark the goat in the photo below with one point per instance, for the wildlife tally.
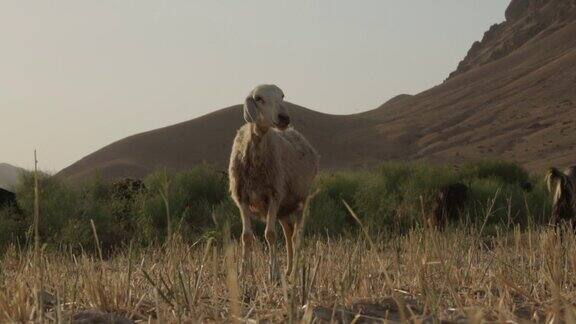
(7, 198)
(562, 185)
(450, 201)
(272, 167)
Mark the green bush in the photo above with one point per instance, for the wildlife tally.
(499, 185)
(327, 211)
(192, 196)
(12, 227)
(394, 195)
(58, 205)
(506, 172)
(392, 198)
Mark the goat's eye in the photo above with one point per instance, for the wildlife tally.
(258, 99)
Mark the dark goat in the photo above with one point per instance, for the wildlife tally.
(449, 204)
(7, 199)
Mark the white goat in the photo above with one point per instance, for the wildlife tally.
(272, 167)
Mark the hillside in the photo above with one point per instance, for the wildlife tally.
(8, 175)
(206, 139)
(512, 97)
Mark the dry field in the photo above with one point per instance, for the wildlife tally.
(499, 264)
(424, 275)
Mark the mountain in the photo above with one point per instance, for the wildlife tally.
(9, 176)
(512, 97)
(208, 139)
(527, 21)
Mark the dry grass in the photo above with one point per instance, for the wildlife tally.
(520, 275)
(461, 274)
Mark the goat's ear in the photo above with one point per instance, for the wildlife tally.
(250, 110)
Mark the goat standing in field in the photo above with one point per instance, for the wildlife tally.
(449, 204)
(562, 185)
(272, 167)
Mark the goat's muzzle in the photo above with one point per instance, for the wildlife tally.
(283, 121)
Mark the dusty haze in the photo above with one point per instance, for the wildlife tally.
(77, 75)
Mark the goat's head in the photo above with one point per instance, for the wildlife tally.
(264, 106)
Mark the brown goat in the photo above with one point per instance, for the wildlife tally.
(449, 204)
(562, 185)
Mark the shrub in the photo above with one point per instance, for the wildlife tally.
(12, 227)
(327, 212)
(193, 196)
(506, 172)
(59, 203)
(392, 198)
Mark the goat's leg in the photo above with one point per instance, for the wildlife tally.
(270, 234)
(247, 240)
(288, 229)
(296, 232)
(296, 239)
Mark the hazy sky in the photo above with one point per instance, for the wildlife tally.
(77, 75)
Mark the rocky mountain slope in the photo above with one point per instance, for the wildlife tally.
(526, 21)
